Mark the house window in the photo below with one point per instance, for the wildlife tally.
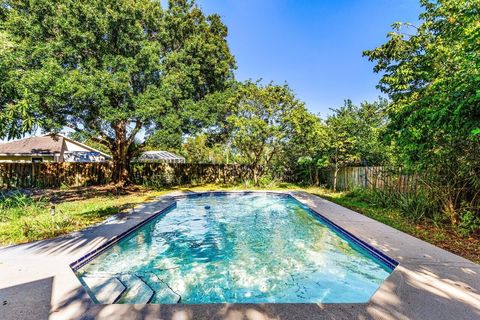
(37, 160)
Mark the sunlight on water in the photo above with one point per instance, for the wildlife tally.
(243, 248)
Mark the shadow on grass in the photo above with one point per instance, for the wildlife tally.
(109, 211)
(85, 193)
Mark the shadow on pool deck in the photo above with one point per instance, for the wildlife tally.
(21, 298)
(429, 283)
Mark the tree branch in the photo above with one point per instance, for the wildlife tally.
(105, 140)
(138, 126)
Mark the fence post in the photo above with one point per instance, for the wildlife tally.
(365, 178)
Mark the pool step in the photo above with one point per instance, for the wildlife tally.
(138, 292)
(106, 290)
(163, 292)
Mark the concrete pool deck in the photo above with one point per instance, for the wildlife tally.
(36, 281)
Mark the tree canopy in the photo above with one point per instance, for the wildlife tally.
(258, 126)
(431, 73)
(109, 69)
(264, 126)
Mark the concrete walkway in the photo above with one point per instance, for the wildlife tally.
(36, 281)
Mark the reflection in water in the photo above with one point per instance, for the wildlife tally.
(244, 248)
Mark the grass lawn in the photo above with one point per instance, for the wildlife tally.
(31, 220)
(79, 208)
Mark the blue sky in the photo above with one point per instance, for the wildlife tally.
(315, 46)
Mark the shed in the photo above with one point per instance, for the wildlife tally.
(160, 156)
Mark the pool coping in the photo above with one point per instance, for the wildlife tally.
(429, 282)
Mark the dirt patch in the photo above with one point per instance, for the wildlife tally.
(83, 193)
(467, 247)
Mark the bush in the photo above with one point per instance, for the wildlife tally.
(384, 198)
(266, 180)
(380, 198)
(156, 182)
(415, 206)
(247, 183)
(469, 223)
(14, 199)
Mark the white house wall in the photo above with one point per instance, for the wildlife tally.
(70, 146)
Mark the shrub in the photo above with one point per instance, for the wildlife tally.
(469, 223)
(156, 182)
(415, 206)
(377, 197)
(266, 180)
(14, 199)
(384, 198)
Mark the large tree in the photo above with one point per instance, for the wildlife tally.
(110, 69)
(432, 74)
(303, 152)
(355, 136)
(341, 149)
(263, 120)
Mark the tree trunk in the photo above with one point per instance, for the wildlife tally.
(335, 172)
(257, 172)
(121, 165)
(120, 173)
(255, 175)
(310, 173)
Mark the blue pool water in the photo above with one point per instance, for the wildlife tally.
(247, 248)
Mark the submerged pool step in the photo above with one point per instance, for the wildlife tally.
(138, 292)
(106, 290)
(163, 292)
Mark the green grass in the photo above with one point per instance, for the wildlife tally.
(33, 221)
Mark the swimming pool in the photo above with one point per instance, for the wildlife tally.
(236, 248)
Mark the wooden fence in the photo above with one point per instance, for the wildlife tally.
(349, 178)
(52, 175)
(183, 173)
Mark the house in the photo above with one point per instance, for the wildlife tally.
(160, 156)
(49, 148)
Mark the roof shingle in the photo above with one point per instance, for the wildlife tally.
(47, 144)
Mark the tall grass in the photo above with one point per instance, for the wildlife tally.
(419, 206)
(15, 204)
(22, 217)
(415, 206)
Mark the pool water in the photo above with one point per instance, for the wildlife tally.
(237, 248)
